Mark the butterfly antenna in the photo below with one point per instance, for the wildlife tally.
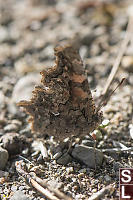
(105, 98)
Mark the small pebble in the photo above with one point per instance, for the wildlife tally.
(14, 188)
(4, 174)
(74, 180)
(4, 34)
(81, 175)
(82, 170)
(12, 142)
(69, 170)
(3, 158)
(17, 122)
(19, 195)
(2, 180)
(91, 174)
(107, 178)
(127, 63)
(63, 168)
(22, 67)
(10, 128)
(21, 187)
(75, 188)
(64, 159)
(23, 88)
(105, 123)
(94, 190)
(83, 51)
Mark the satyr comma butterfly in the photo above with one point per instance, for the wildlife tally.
(62, 105)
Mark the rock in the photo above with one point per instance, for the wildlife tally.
(127, 63)
(131, 79)
(4, 34)
(81, 175)
(23, 88)
(10, 128)
(19, 195)
(107, 178)
(117, 165)
(60, 148)
(104, 123)
(87, 155)
(3, 158)
(12, 142)
(55, 184)
(48, 52)
(22, 67)
(69, 170)
(95, 50)
(83, 51)
(4, 174)
(14, 188)
(64, 159)
(2, 99)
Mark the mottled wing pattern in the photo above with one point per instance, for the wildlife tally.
(62, 105)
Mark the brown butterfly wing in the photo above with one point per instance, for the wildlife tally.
(63, 105)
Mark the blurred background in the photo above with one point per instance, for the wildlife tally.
(30, 29)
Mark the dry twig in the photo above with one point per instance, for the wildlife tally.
(128, 149)
(123, 47)
(44, 183)
(39, 184)
(100, 194)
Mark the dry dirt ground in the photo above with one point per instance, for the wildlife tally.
(29, 31)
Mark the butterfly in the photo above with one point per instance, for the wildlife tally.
(62, 105)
